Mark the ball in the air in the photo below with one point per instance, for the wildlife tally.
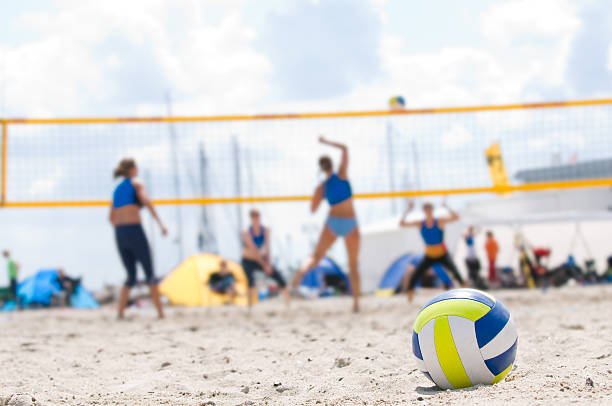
(464, 337)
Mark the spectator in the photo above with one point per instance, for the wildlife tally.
(492, 249)
(224, 282)
(471, 260)
(67, 287)
(13, 271)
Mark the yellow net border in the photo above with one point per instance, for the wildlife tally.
(7, 123)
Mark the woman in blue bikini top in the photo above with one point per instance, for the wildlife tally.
(341, 222)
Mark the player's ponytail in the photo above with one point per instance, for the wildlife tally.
(124, 168)
(325, 163)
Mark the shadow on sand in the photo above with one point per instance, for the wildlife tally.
(432, 390)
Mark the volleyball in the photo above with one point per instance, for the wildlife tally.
(397, 103)
(464, 337)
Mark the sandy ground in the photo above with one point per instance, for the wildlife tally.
(319, 353)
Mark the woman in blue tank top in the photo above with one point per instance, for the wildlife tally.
(341, 222)
(128, 198)
(257, 256)
(432, 232)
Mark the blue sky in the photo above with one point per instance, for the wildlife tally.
(91, 58)
(67, 57)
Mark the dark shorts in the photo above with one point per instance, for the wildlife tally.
(223, 285)
(134, 248)
(427, 262)
(250, 267)
(13, 287)
(473, 266)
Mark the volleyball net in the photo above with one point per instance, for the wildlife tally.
(204, 160)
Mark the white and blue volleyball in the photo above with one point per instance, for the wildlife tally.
(464, 337)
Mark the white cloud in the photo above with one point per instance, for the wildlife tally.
(533, 37)
(88, 53)
(217, 68)
(456, 136)
(450, 76)
(506, 21)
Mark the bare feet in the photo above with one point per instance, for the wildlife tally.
(410, 295)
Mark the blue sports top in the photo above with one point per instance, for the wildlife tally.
(125, 194)
(260, 239)
(337, 190)
(469, 240)
(433, 235)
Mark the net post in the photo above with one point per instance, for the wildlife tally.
(3, 168)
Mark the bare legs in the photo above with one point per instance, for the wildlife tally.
(326, 240)
(231, 294)
(125, 295)
(123, 299)
(352, 242)
(251, 293)
(154, 290)
(285, 293)
(406, 282)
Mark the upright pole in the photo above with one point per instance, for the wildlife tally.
(4, 154)
(237, 181)
(206, 239)
(177, 184)
(391, 162)
(147, 179)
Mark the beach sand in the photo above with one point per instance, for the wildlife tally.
(317, 354)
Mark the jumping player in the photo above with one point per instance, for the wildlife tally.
(256, 256)
(341, 221)
(432, 231)
(129, 197)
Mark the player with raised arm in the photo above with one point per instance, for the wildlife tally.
(432, 231)
(341, 222)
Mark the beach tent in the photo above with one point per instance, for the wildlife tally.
(187, 285)
(39, 289)
(393, 276)
(83, 299)
(314, 280)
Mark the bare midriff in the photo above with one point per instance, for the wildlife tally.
(250, 254)
(343, 209)
(129, 214)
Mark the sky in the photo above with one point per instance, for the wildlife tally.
(76, 58)
(84, 58)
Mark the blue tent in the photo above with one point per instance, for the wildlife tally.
(83, 299)
(37, 291)
(395, 273)
(315, 278)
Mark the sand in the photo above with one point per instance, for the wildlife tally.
(318, 354)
